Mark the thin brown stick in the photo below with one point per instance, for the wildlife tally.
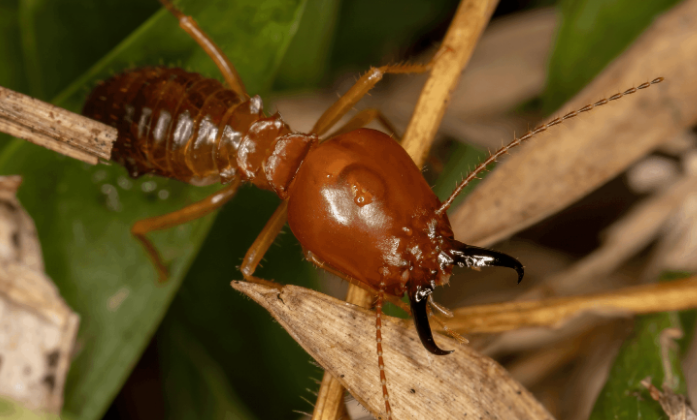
(330, 397)
(330, 402)
(464, 32)
(55, 128)
(673, 296)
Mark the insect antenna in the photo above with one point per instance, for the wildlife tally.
(378, 340)
(537, 130)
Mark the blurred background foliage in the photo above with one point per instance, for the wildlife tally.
(194, 348)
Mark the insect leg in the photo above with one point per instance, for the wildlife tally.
(378, 340)
(329, 384)
(262, 243)
(188, 24)
(358, 90)
(187, 214)
(364, 118)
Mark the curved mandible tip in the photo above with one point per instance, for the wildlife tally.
(472, 256)
(418, 297)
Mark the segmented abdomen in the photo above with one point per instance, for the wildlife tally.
(172, 123)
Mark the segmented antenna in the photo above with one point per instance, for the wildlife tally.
(537, 130)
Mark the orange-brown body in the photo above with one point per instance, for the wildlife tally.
(184, 126)
(356, 202)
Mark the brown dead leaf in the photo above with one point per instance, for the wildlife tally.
(675, 406)
(622, 240)
(588, 151)
(676, 248)
(37, 328)
(508, 67)
(341, 338)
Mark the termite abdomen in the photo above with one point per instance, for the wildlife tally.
(180, 125)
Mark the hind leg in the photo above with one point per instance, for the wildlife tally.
(188, 24)
(194, 211)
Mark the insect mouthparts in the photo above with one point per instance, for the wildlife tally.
(473, 256)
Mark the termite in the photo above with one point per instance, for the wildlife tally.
(356, 202)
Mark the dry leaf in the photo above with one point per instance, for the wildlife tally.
(37, 328)
(341, 338)
(588, 151)
(675, 406)
(622, 240)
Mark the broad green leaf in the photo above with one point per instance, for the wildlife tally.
(623, 396)
(307, 59)
(266, 368)
(194, 381)
(370, 33)
(83, 214)
(591, 34)
(63, 38)
(12, 70)
(642, 356)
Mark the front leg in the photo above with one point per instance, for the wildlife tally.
(261, 245)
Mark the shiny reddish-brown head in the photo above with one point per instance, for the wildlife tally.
(360, 204)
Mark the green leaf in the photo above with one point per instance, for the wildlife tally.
(307, 58)
(262, 363)
(63, 38)
(370, 32)
(195, 381)
(12, 70)
(591, 34)
(641, 356)
(83, 214)
(623, 396)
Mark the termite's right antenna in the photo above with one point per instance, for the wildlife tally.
(517, 141)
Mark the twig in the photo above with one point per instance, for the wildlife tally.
(330, 397)
(55, 128)
(464, 32)
(673, 296)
